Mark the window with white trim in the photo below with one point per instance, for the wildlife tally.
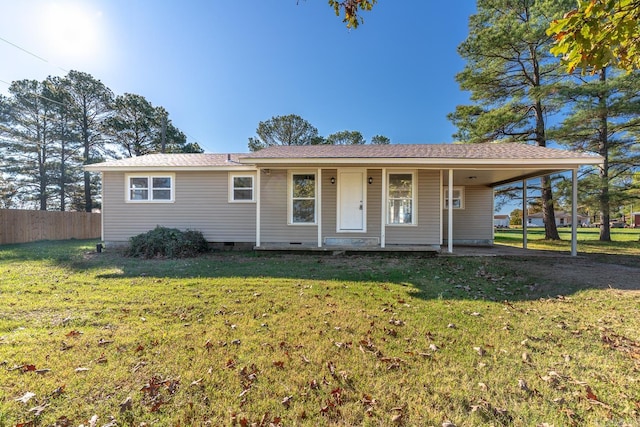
(458, 197)
(241, 188)
(401, 198)
(150, 188)
(302, 200)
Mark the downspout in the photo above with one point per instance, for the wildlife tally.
(319, 208)
(450, 213)
(383, 210)
(258, 207)
(102, 207)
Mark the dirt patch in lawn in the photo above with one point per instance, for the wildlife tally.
(583, 272)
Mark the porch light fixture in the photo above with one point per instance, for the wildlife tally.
(370, 180)
(266, 171)
(333, 179)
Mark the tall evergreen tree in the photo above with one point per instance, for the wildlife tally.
(510, 74)
(284, 130)
(65, 163)
(138, 128)
(27, 140)
(88, 103)
(605, 113)
(345, 137)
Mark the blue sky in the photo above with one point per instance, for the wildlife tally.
(219, 66)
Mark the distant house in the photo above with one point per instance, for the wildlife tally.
(563, 219)
(399, 196)
(501, 221)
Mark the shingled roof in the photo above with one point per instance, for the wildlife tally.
(178, 160)
(416, 154)
(489, 151)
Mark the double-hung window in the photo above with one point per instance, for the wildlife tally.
(241, 188)
(302, 200)
(150, 188)
(401, 198)
(458, 198)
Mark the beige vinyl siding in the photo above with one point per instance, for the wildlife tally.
(427, 229)
(201, 203)
(330, 200)
(273, 211)
(474, 223)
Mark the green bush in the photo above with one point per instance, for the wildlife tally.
(167, 242)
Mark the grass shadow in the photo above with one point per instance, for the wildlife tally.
(477, 278)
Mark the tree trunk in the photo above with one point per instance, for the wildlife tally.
(603, 150)
(548, 213)
(88, 204)
(63, 173)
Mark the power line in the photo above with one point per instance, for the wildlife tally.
(32, 54)
(65, 70)
(24, 50)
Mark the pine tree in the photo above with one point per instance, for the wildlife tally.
(510, 74)
(604, 115)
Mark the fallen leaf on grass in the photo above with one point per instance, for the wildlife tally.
(82, 369)
(127, 405)
(397, 418)
(93, 421)
(593, 399)
(73, 333)
(332, 368)
(103, 342)
(481, 351)
(38, 410)
(58, 391)
(63, 422)
(25, 397)
(286, 402)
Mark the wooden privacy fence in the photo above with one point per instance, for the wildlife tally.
(19, 226)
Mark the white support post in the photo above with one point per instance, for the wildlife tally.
(257, 190)
(574, 213)
(319, 208)
(383, 210)
(450, 213)
(525, 214)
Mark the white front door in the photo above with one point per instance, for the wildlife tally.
(351, 201)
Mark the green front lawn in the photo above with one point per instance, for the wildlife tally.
(241, 338)
(624, 241)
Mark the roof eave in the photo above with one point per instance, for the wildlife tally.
(435, 161)
(98, 168)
